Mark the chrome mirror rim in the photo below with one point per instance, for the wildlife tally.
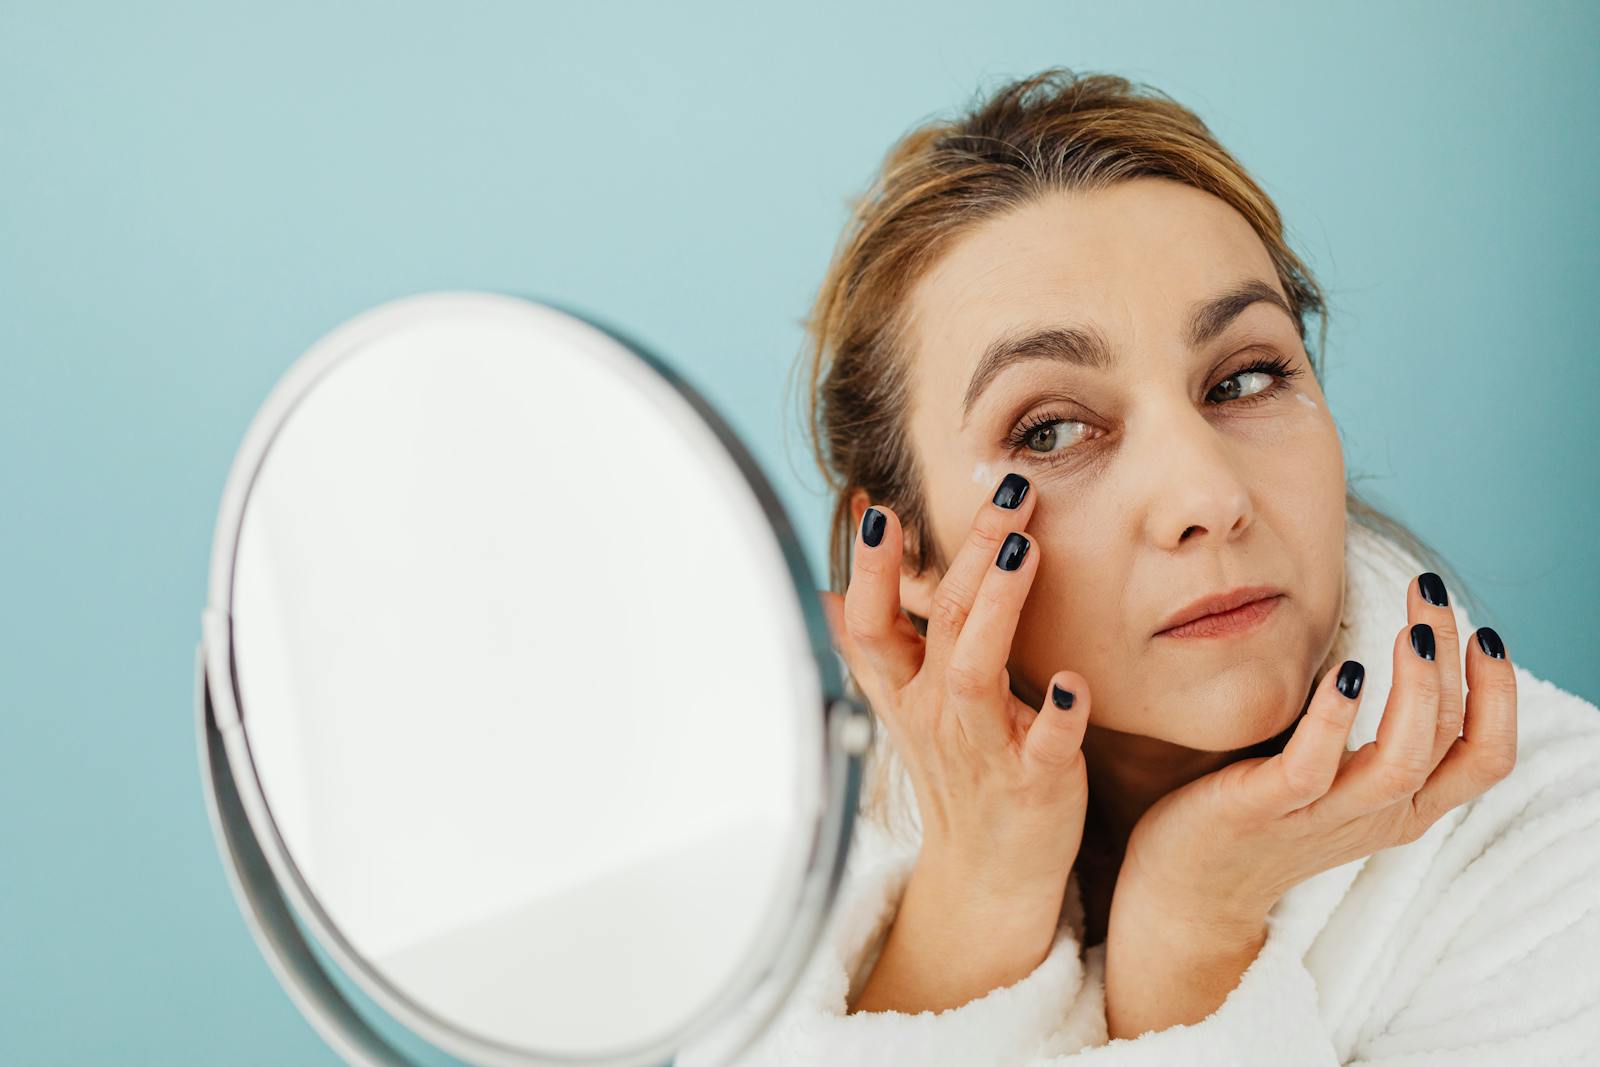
(764, 980)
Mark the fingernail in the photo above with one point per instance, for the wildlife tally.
(872, 526)
(1062, 697)
(1422, 640)
(1490, 642)
(1013, 487)
(1432, 587)
(1012, 552)
(1351, 675)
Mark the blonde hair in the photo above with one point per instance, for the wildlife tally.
(1054, 130)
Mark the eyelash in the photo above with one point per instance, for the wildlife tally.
(1281, 369)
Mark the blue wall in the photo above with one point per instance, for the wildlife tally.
(190, 194)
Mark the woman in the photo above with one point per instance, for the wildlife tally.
(1062, 386)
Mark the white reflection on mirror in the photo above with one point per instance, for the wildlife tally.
(522, 681)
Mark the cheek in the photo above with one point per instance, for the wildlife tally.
(1301, 496)
(987, 474)
(1296, 450)
(1072, 617)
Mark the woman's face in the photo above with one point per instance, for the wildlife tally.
(1167, 475)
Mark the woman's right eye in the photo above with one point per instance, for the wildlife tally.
(1039, 436)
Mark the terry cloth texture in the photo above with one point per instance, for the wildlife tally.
(1478, 943)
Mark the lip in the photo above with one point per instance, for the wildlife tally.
(1223, 614)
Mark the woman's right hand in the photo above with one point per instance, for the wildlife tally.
(1001, 787)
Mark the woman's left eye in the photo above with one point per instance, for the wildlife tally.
(1267, 380)
(1274, 371)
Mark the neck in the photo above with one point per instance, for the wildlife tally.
(1127, 774)
(1130, 772)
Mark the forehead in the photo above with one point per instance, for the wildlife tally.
(1131, 258)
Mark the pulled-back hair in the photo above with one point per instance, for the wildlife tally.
(1052, 131)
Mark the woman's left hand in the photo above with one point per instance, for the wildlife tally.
(1224, 848)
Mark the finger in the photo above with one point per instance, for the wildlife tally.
(1055, 739)
(838, 631)
(973, 674)
(1303, 772)
(1396, 765)
(886, 643)
(1428, 601)
(1487, 751)
(958, 588)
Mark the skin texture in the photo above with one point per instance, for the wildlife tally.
(1220, 764)
(1207, 862)
(1000, 786)
(1159, 488)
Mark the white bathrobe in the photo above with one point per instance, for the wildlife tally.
(1479, 943)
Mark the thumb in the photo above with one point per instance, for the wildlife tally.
(833, 611)
(838, 634)
(1055, 738)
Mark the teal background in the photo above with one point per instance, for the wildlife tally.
(191, 194)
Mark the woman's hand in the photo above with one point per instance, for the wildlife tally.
(1001, 787)
(1224, 848)
(1205, 863)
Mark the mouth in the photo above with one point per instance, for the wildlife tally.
(1230, 615)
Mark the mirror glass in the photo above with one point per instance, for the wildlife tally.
(525, 680)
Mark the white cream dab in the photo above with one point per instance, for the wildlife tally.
(983, 474)
(1306, 400)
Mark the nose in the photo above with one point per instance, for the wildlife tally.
(1196, 492)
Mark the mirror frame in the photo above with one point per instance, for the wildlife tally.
(268, 887)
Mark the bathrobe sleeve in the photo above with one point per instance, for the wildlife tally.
(1052, 1017)
(1492, 957)
(1503, 966)
(1491, 952)
(1007, 1027)
(1270, 1018)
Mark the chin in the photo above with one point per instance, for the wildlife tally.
(1228, 723)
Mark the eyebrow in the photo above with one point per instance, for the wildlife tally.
(1085, 346)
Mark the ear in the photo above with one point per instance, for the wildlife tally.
(916, 590)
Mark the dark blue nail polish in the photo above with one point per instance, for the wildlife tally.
(1062, 697)
(1422, 640)
(1012, 552)
(1013, 487)
(1432, 587)
(1490, 642)
(873, 523)
(1351, 675)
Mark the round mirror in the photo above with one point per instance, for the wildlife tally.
(524, 689)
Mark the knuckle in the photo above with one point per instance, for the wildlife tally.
(1057, 757)
(876, 566)
(862, 624)
(1401, 778)
(1304, 780)
(1426, 683)
(949, 606)
(992, 597)
(1501, 684)
(992, 524)
(1493, 766)
(962, 680)
(1451, 718)
(1411, 829)
(1327, 718)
